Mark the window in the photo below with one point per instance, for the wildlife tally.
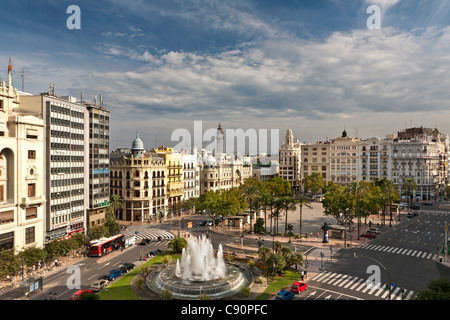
(29, 235)
(31, 213)
(31, 190)
(31, 154)
(2, 191)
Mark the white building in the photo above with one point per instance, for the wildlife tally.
(290, 160)
(22, 172)
(375, 159)
(191, 176)
(66, 159)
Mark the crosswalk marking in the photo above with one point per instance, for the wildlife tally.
(403, 251)
(360, 285)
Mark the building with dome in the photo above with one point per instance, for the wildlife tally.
(140, 179)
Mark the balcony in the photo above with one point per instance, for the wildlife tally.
(29, 201)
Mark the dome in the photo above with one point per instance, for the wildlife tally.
(210, 161)
(137, 144)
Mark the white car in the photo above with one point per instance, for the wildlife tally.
(375, 230)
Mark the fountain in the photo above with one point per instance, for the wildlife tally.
(200, 272)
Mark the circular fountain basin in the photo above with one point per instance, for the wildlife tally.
(235, 278)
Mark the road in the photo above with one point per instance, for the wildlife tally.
(405, 255)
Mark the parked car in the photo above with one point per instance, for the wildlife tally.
(369, 235)
(284, 295)
(99, 285)
(375, 230)
(153, 253)
(113, 274)
(145, 242)
(125, 267)
(427, 204)
(298, 287)
(77, 294)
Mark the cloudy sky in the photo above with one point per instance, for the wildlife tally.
(310, 65)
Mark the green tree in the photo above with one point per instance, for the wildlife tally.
(288, 205)
(437, 290)
(357, 189)
(115, 203)
(408, 187)
(302, 200)
(266, 202)
(251, 194)
(177, 244)
(314, 183)
(111, 225)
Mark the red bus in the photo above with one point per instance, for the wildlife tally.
(105, 246)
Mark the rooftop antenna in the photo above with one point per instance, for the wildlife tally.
(51, 88)
(22, 75)
(101, 98)
(82, 97)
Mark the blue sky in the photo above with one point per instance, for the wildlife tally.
(312, 66)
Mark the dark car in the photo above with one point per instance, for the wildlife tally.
(203, 223)
(284, 295)
(427, 204)
(415, 207)
(145, 242)
(113, 274)
(125, 267)
(412, 214)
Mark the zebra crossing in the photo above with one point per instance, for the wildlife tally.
(401, 251)
(148, 233)
(356, 284)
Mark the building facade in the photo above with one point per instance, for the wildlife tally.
(344, 159)
(66, 155)
(290, 161)
(22, 172)
(421, 154)
(99, 183)
(140, 179)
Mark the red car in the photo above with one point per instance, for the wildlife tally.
(369, 235)
(298, 287)
(77, 295)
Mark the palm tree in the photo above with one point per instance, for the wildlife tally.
(302, 200)
(115, 203)
(266, 202)
(357, 189)
(250, 194)
(289, 205)
(409, 185)
(278, 205)
(389, 190)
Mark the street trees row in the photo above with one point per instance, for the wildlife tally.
(360, 199)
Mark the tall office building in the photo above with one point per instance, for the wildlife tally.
(65, 160)
(99, 183)
(22, 196)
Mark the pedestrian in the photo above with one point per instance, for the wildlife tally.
(56, 262)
